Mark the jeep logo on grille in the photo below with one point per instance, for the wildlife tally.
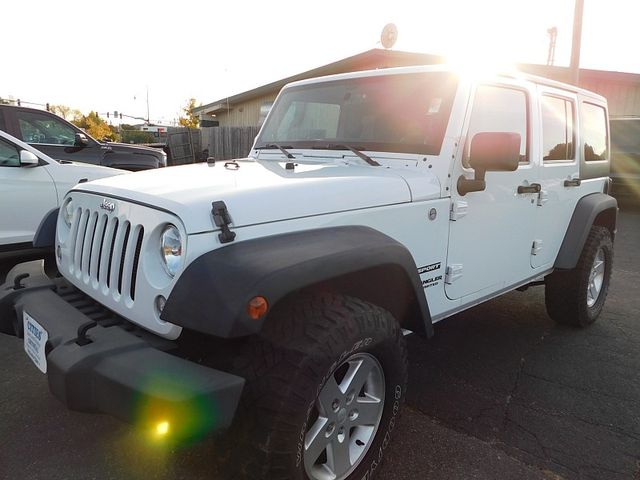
(107, 205)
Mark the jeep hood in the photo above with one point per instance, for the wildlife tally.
(258, 191)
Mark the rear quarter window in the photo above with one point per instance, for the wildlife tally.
(594, 132)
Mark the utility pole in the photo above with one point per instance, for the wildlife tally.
(551, 55)
(574, 66)
(147, 103)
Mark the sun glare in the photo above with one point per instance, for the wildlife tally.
(162, 428)
(481, 54)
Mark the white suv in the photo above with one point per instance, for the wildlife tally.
(273, 291)
(34, 184)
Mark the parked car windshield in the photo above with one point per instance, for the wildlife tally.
(406, 113)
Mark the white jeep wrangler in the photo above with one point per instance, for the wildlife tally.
(271, 294)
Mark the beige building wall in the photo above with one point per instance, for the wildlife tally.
(623, 97)
(244, 114)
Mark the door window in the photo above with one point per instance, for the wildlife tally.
(45, 129)
(3, 125)
(499, 109)
(557, 129)
(9, 154)
(594, 132)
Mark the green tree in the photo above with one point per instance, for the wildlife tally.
(95, 126)
(137, 136)
(190, 119)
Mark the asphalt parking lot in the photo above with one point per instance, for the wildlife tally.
(500, 392)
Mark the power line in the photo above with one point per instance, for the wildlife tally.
(48, 106)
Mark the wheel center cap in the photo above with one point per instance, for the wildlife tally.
(342, 415)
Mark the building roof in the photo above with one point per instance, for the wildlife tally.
(379, 58)
(375, 58)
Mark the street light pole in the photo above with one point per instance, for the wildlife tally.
(574, 66)
(147, 103)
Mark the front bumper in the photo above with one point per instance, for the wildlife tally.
(116, 368)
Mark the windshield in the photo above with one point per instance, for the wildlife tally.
(406, 113)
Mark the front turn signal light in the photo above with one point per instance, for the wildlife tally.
(257, 308)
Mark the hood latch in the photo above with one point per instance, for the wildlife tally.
(222, 219)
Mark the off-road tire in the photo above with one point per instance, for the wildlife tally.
(300, 346)
(566, 290)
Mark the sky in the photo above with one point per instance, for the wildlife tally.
(103, 56)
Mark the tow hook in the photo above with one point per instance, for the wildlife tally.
(82, 332)
(17, 282)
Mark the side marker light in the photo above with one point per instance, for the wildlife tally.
(257, 308)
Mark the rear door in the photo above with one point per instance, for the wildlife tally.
(558, 173)
(27, 194)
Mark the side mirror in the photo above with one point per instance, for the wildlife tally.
(81, 140)
(28, 159)
(490, 152)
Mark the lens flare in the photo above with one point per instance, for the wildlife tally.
(162, 428)
(173, 408)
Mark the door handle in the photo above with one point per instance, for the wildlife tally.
(533, 188)
(574, 182)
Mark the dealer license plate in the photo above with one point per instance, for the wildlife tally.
(35, 339)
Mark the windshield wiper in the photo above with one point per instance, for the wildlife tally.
(281, 148)
(342, 146)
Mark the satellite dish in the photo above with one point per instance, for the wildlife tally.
(389, 35)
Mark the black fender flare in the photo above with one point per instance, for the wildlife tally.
(212, 294)
(45, 236)
(592, 209)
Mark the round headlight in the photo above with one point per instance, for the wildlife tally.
(67, 212)
(171, 249)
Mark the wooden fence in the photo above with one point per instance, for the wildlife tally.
(190, 145)
(224, 143)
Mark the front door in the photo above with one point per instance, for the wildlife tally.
(491, 231)
(55, 137)
(27, 194)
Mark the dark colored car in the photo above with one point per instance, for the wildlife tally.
(625, 152)
(64, 141)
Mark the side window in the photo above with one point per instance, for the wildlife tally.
(9, 154)
(3, 124)
(594, 132)
(557, 129)
(42, 128)
(499, 109)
